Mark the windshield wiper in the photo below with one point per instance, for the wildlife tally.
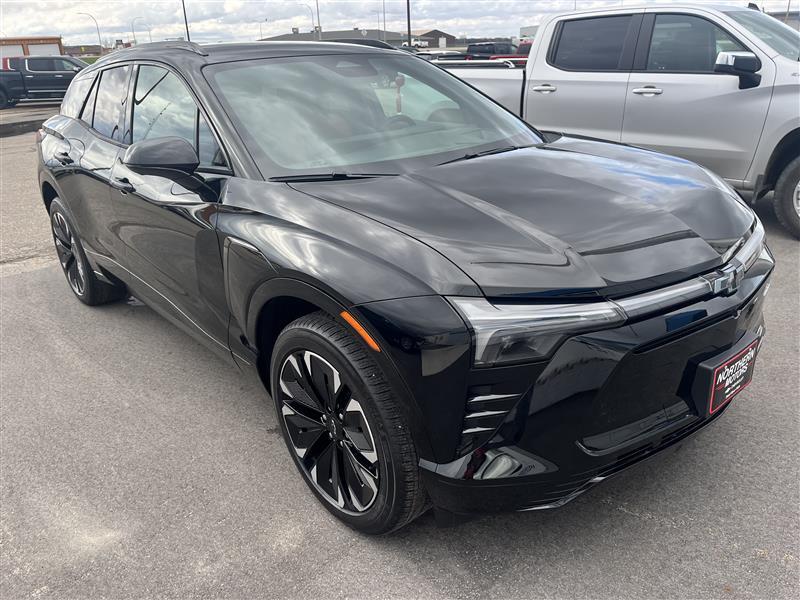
(329, 176)
(471, 155)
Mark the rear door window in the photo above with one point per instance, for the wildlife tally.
(75, 96)
(687, 44)
(591, 44)
(111, 95)
(40, 64)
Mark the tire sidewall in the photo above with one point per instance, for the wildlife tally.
(784, 193)
(294, 339)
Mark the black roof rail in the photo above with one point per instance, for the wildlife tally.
(174, 45)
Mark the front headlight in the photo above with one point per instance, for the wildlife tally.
(511, 333)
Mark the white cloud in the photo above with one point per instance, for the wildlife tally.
(238, 20)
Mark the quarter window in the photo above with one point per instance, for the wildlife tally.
(88, 109)
(687, 44)
(111, 95)
(591, 44)
(76, 94)
(163, 107)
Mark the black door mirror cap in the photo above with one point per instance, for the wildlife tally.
(162, 153)
(737, 63)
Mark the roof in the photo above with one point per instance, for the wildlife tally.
(187, 52)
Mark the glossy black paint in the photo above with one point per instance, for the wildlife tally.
(231, 258)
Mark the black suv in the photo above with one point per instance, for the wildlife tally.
(448, 307)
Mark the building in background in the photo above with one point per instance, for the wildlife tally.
(436, 38)
(529, 31)
(84, 50)
(31, 46)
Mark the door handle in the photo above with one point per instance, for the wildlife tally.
(57, 75)
(648, 90)
(28, 76)
(545, 88)
(64, 158)
(122, 184)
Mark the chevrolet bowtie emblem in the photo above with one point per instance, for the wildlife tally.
(728, 280)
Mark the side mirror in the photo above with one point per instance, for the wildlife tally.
(162, 153)
(742, 64)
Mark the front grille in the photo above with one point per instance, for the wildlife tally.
(484, 413)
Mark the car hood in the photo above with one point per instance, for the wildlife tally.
(574, 217)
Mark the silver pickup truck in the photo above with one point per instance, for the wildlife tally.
(717, 86)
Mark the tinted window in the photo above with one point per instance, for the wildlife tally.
(379, 113)
(88, 109)
(163, 107)
(687, 44)
(60, 64)
(591, 44)
(110, 101)
(76, 94)
(780, 36)
(40, 64)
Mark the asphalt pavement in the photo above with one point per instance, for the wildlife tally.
(134, 464)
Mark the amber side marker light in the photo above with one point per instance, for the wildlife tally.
(360, 330)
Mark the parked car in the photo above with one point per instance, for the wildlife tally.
(448, 307)
(718, 87)
(483, 50)
(36, 77)
(416, 43)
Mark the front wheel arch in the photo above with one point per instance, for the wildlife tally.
(299, 298)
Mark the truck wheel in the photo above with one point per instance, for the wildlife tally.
(787, 198)
(4, 100)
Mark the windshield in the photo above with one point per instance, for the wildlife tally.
(356, 113)
(780, 37)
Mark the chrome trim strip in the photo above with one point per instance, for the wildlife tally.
(476, 430)
(488, 397)
(485, 413)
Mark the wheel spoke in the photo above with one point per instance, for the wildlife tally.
(303, 432)
(315, 451)
(294, 383)
(361, 484)
(358, 433)
(323, 378)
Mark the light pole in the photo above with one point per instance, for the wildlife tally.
(408, 22)
(384, 20)
(311, 12)
(260, 28)
(319, 23)
(99, 41)
(185, 21)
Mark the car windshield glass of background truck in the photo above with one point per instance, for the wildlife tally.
(780, 37)
(393, 113)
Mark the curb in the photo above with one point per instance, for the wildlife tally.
(18, 127)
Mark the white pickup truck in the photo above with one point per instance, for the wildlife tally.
(717, 86)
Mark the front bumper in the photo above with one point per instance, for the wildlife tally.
(604, 402)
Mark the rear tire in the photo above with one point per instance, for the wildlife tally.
(786, 201)
(86, 286)
(357, 416)
(4, 103)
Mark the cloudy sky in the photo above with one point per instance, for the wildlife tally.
(240, 20)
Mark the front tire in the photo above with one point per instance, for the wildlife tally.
(786, 199)
(342, 424)
(81, 278)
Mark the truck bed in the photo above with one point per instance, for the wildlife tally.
(500, 82)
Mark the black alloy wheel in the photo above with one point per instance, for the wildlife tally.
(66, 247)
(88, 288)
(344, 427)
(329, 432)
